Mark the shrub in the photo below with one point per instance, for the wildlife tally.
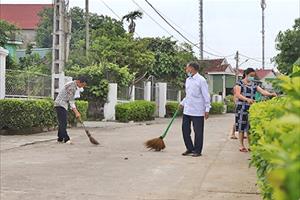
(230, 107)
(216, 108)
(275, 141)
(135, 111)
(171, 108)
(18, 114)
(82, 107)
(229, 101)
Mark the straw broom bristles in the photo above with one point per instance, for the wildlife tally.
(156, 144)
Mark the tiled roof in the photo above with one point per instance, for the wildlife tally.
(25, 16)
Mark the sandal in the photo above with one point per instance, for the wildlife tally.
(243, 150)
(233, 137)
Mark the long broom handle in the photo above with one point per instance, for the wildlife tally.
(82, 124)
(171, 122)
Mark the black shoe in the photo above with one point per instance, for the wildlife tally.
(59, 140)
(196, 154)
(187, 153)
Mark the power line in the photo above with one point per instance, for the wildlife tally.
(116, 15)
(189, 34)
(151, 18)
(254, 59)
(183, 36)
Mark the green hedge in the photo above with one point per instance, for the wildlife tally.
(275, 142)
(82, 107)
(229, 101)
(230, 107)
(216, 108)
(135, 111)
(171, 108)
(17, 114)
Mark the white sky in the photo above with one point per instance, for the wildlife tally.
(229, 25)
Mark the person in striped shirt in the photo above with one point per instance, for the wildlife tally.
(67, 96)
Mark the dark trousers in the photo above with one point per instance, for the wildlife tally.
(62, 124)
(198, 125)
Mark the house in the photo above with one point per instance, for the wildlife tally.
(221, 77)
(25, 17)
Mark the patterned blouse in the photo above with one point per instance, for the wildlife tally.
(247, 91)
(66, 95)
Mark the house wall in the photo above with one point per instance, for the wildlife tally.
(41, 51)
(210, 82)
(27, 37)
(11, 49)
(265, 83)
(217, 83)
(230, 81)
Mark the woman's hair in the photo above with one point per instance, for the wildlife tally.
(248, 71)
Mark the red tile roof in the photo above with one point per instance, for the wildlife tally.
(260, 73)
(214, 65)
(25, 16)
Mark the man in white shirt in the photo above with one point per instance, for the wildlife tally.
(196, 106)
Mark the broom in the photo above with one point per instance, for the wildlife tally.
(92, 140)
(158, 144)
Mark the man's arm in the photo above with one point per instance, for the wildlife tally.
(205, 93)
(71, 97)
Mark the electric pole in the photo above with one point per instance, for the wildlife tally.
(263, 7)
(61, 24)
(236, 66)
(87, 34)
(201, 29)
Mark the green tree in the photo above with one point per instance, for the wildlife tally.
(130, 17)
(7, 32)
(99, 75)
(170, 59)
(45, 28)
(288, 43)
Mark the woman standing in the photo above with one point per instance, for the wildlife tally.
(235, 102)
(245, 92)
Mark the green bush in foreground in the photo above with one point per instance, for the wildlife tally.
(275, 143)
(135, 111)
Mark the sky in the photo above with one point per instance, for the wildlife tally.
(229, 25)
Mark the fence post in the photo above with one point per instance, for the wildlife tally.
(179, 96)
(109, 106)
(147, 91)
(3, 54)
(132, 94)
(161, 99)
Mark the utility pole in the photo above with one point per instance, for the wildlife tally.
(263, 7)
(201, 29)
(59, 50)
(236, 66)
(87, 34)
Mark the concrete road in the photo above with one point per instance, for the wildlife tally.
(122, 169)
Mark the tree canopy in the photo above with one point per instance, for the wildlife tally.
(288, 45)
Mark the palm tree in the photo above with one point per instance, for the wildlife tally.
(130, 17)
